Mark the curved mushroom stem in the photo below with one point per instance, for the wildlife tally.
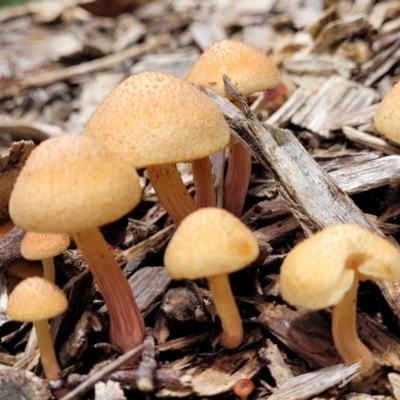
(232, 328)
(344, 331)
(203, 183)
(127, 327)
(47, 355)
(237, 178)
(49, 271)
(171, 191)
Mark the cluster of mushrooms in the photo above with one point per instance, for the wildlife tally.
(74, 184)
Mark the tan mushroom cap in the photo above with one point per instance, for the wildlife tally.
(156, 118)
(318, 271)
(36, 299)
(249, 70)
(210, 241)
(387, 118)
(73, 183)
(38, 246)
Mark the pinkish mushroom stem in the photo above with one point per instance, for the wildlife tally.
(237, 178)
(49, 271)
(127, 327)
(171, 191)
(232, 328)
(203, 183)
(344, 331)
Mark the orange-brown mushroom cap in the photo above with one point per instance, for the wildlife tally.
(318, 271)
(72, 183)
(387, 119)
(156, 118)
(36, 299)
(210, 241)
(38, 246)
(248, 69)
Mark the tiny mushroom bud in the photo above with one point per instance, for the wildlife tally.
(324, 271)
(212, 243)
(387, 119)
(75, 184)
(156, 120)
(243, 388)
(44, 246)
(250, 71)
(36, 300)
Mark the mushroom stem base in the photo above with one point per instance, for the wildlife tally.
(344, 332)
(126, 322)
(232, 328)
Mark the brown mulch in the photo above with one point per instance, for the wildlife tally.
(337, 60)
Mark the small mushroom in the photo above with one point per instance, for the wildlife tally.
(75, 184)
(386, 119)
(155, 120)
(250, 71)
(44, 246)
(324, 271)
(212, 243)
(36, 300)
(243, 388)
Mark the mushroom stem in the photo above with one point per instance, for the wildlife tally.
(237, 178)
(344, 331)
(203, 182)
(171, 191)
(232, 329)
(127, 327)
(47, 353)
(48, 357)
(49, 271)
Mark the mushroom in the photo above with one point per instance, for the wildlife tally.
(324, 271)
(75, 184)
(243, 388)
(36, 300)
(44, 246)
(212, 243)
(156, 120)
(386, 119)
(250, 71)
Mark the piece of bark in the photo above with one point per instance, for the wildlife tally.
(307, 385)
(10, 167)
(10, 248)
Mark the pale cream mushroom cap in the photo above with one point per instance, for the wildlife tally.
(387, 118)
(318, 271)
(210, 241)
(38, 246)
(36, 299)
(71, 183)
(249, 70)
(156, 118)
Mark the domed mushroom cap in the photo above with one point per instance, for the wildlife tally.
(210, 241)
(248, 69)
(73, 183)
(36, 299)
(38, 246)
(156, 118)
(387, 118)
(318, 271)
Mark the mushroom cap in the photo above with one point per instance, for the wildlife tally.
(156, 118)
(36, 299)
(72, 183)
(387, 119)
(38, 246)
(249, 70)
(318, 271)
(210, 241)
